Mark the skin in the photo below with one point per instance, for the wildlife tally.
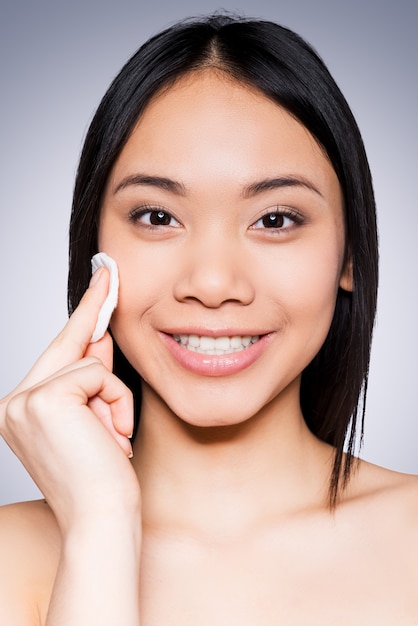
(229, 483)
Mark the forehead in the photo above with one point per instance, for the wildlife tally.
(208, 125)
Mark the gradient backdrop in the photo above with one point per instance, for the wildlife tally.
(56, 60)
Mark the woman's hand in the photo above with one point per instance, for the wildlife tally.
(70, 419)
(69, 422)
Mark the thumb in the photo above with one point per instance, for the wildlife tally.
(72, 342)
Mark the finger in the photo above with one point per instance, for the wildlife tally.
(103, 413)
(84, 362)
(122, 427)
(107, 397)
(76, 335)
(83, 384)
(78, 386)
(102, 350)
(71, 344)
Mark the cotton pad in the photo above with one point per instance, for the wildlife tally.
(103, 260)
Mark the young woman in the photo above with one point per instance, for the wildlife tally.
(192, 461)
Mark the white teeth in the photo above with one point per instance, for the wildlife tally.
(216, 345)
(207, 343)
(236, 342)
(222, 343)
(194, 341)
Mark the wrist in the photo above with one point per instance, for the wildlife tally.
(99, 572)
(87, 514)
(110, 522)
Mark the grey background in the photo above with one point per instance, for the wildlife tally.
(56, 60)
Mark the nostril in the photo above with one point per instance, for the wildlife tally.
(214, 282)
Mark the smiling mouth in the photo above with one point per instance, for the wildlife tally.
(216, 345)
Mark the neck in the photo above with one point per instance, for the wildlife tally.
(229, 477)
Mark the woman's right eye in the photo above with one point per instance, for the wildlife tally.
(153, 217)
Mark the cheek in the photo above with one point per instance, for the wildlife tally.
(143, 281)
(308, 273)
(305, 288)
(146, 280)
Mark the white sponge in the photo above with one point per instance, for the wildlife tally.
(103, 260)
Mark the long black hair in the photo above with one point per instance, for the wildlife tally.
(287, 70)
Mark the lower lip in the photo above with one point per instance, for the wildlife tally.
(216, 365)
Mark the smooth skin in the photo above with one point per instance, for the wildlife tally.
(225, 219)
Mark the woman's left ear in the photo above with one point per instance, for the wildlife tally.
(346, 278)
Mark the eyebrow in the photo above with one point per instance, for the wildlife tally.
(270, 184)
(179, 189)
(161, 182)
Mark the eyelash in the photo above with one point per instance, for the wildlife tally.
(280, 212)
(136, 214)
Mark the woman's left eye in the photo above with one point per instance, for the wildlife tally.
(153, 217)
(279, 220)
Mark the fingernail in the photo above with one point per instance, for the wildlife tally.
(96, 276)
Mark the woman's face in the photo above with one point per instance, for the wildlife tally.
(225, 219)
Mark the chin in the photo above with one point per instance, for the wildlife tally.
(215, 413)
(205, 429)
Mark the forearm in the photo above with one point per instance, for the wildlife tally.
(98, 576)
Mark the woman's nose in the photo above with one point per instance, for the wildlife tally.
(214, 273)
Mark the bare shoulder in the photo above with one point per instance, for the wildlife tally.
(29, 554)
(386, 504)
(386, 489)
